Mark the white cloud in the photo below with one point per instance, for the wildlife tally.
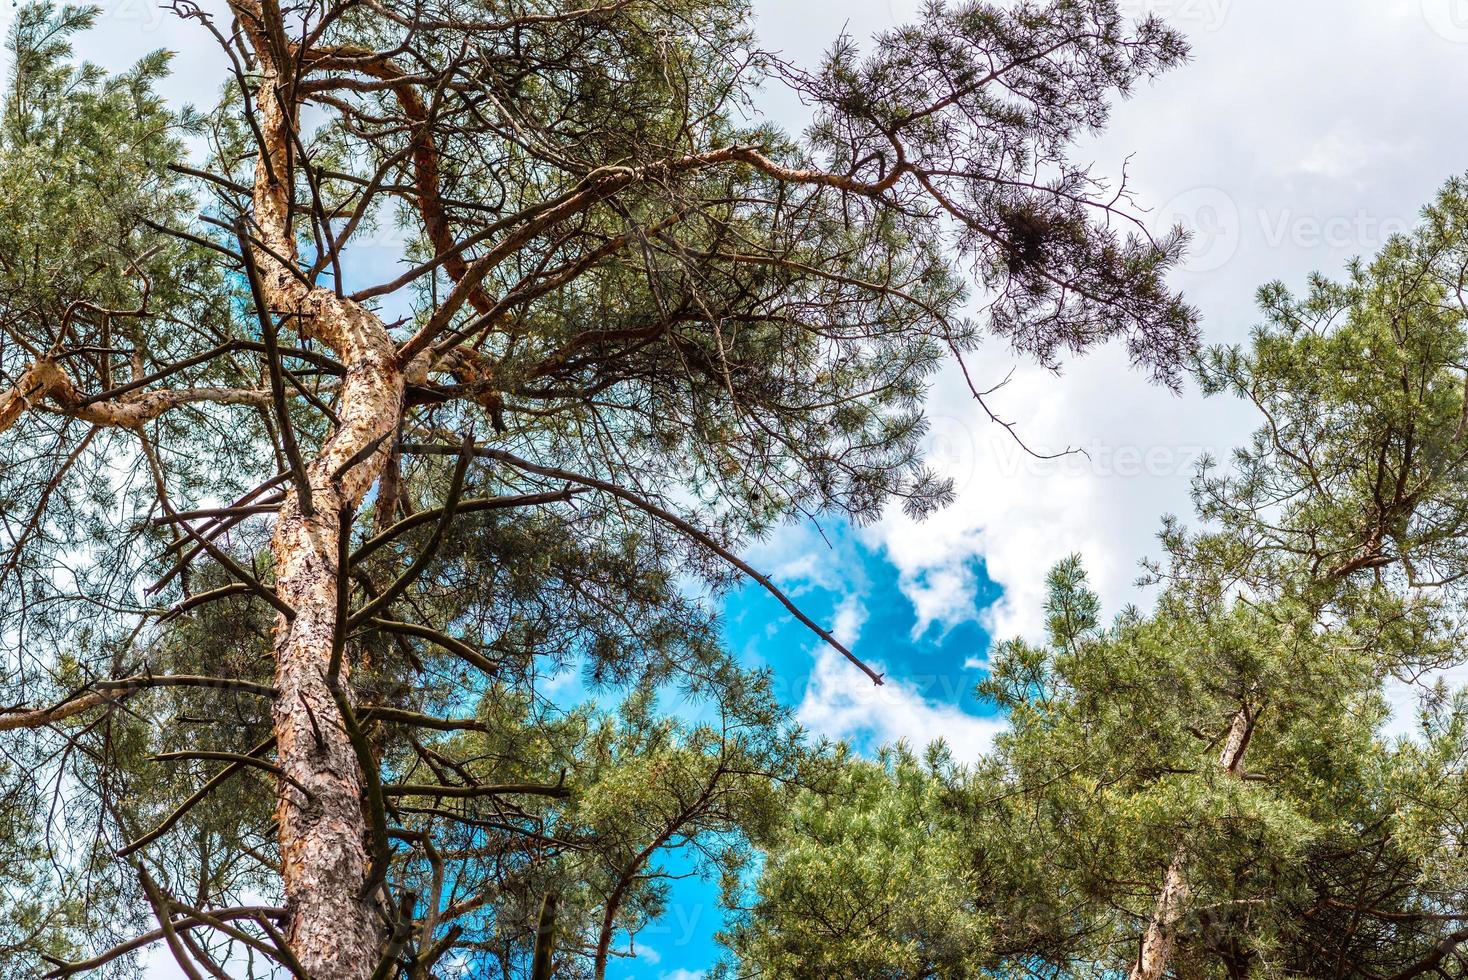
(683, 973)
(851, 616)
(1347, 151)
(1021, 515)
(1303, 184)
(937, 592)
(842, 704)
(802, 561)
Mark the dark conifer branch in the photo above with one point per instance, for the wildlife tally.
(273, 365)
(421, 561)
(455, 646)
(234, 568)
(213, 783)
(472, 505)
(683, 526)
(69, 969)
(469, 792)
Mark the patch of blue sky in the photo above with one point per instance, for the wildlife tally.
(841, 580)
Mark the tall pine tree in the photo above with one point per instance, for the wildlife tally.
(447, 349)
(1210, 789)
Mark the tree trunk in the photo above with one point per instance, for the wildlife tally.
(1161, 934)
(335, 931)
(324, 848)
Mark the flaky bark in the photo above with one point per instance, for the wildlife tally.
(324, 845)
(1162, 929)
(45, 381)
(1161, 934)
(335, 930)
(39, 717)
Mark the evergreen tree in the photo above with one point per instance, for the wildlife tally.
(456, 345)
(1209, 789)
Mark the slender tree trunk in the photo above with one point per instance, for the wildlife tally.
(335, 931)
(1162, 929)
(1161, 934)
(545, 940)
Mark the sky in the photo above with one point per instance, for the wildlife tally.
(1301, 134)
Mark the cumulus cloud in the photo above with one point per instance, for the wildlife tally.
(1020, 514)
(938, 591)
(1274, 186)
(842, 705)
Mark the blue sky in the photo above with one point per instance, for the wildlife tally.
(1300, 135)
(848, 580)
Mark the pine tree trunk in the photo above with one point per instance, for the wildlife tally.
(335, 930)
(324, 849)
(1161, 934)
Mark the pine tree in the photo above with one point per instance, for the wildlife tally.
(1209, 789)
(442, 353)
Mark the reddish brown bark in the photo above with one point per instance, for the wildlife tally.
(335, 930)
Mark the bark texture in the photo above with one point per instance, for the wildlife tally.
(1172, 900)
(335, 930)
(45, 381)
